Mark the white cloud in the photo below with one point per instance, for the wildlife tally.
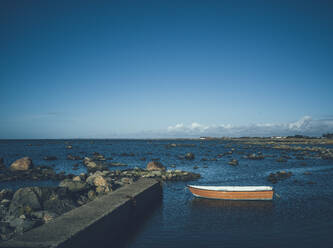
(305, 126)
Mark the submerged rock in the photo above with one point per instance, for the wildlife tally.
(281, 160)
(50, 158)
(22, 164)
(99, 157)
(73, 157)
(280, 175)
(189, 156)
(233, 162)
(254, 156)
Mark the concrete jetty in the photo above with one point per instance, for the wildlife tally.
(98, 223)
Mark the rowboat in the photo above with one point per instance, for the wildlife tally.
(233, 192)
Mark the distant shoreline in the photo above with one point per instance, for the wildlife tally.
(179, 138)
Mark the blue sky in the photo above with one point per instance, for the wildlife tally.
(74, 69)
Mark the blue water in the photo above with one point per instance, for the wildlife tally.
(301, 217)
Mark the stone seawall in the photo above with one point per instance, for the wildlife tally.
(100, 223)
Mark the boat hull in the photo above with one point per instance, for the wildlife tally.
(232, 195)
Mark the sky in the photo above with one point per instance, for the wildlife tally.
(112, 69)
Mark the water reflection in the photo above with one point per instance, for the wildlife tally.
(228, 204)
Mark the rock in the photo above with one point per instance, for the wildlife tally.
(91, 195)
(254, 156)
(127, 180)
(91, 165)
(44, 216)
(86, 160)
(77, 179)
(189, 156)
(99, 181)
(96, 180)
(99, 157)
(50, 158)
(281, 160)
(233, 162)
(6, 194)
(25, 200)
(155, 165)
(5, 203)
(72, 186)
(59, 206)
(195, 167)
(156, 173)
(280, 175)
(72, 157)
(100, 190)
(6, 231)
(116, 164)
(22, 164)
(69, 147)
(48, 217)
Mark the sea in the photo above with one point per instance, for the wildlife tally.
(300, 215)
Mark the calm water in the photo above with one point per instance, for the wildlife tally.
(301, 217)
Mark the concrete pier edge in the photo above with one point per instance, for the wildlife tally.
(85, 225)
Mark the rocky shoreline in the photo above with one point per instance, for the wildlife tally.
(303, 147)
(30, 207)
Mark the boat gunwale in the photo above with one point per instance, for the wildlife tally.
(269, 188)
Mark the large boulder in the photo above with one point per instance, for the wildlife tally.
(22, 164)
(96, 180)
(155, 165)
(25, 200)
